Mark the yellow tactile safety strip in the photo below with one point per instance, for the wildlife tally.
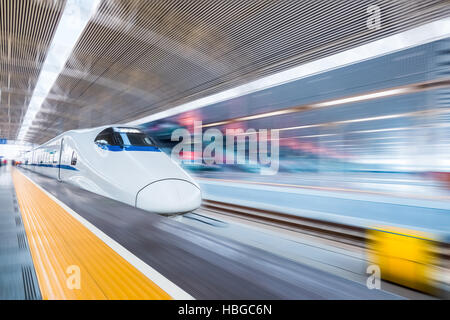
(67, 255)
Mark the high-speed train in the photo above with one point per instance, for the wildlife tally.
(118, 162)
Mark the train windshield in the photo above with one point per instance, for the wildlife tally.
(107, 137)
(123, 137)
(132, 137)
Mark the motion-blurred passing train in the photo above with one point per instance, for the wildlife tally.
(118, 162)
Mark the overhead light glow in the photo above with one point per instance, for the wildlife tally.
(127, 130)
(411, 38)
(375, 95)
(328, 103)
(318, 135)
(301, 127)
(382, 130)
(391, 116)
(74, 19)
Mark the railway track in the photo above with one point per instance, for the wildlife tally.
(351, 235)
(355, 239)
(329, 230)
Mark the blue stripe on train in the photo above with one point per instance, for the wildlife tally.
(46, 165)
(129, 148)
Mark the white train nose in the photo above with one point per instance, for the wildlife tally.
(169, 196)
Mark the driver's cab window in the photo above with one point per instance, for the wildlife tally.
(123, 137)
(106, 137)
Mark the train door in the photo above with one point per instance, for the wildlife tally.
(59, 162)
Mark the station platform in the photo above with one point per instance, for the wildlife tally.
(120, 252)
(17, 274)
(60, 245)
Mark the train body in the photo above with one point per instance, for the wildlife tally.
(118, 162)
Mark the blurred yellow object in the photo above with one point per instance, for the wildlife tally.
(404, 256)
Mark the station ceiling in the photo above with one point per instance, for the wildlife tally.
(137, 57)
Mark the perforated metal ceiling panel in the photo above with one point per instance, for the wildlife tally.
(136, 58)
(26, 30)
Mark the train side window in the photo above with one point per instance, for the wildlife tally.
(73, 162)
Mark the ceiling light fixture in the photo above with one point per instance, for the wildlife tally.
(73, 21)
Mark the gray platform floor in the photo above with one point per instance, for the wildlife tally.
(17, 275)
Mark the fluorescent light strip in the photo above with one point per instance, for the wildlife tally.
(252, 117)
(335, 102)
(215, 124)
(411, 38)
(301, 127)
(74, 19)
(392, 116)
(362, 97)
(318, 135)
(383, 130)
(264, 115)
(352, 132)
